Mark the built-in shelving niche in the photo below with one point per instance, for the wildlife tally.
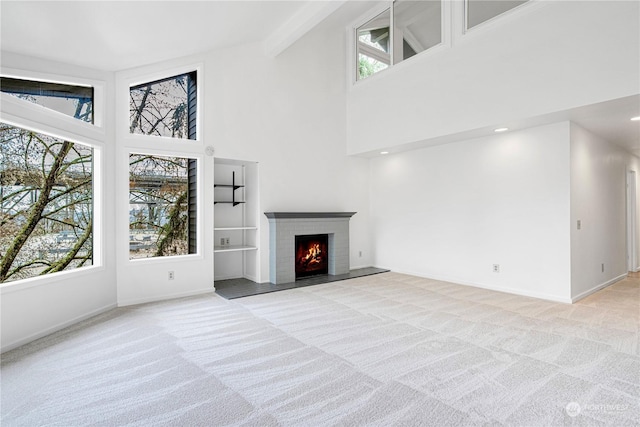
(236, 220)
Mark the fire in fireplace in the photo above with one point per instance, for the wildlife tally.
(312, 255)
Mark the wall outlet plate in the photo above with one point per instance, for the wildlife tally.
(496, 268)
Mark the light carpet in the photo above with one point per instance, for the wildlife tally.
(381, 350)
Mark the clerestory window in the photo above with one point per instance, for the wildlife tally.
(479, 11)
(404, 30)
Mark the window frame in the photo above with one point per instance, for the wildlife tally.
(199, 195)
(161, 146)
(352, 38)
(99, 99)
(491, 21)
(27, 115)
(30, 88)
(160, 76)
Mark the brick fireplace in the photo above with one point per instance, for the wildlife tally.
(285, 226)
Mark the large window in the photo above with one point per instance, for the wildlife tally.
(165, 107)
(479, 11)
(417, 26)
(162, 206)
(46, 204)
(72, 100)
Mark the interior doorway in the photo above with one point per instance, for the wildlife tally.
(632, 248)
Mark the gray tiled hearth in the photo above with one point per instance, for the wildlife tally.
(239, 288)
(283, 229)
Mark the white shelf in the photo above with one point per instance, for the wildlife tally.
(233, 228)
(236, 219)
(234, 248)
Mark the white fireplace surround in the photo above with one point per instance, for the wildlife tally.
(285, 226)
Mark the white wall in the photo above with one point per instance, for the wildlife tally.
(36, 307)
(288, 114)
(544, 57)
(450, 212)
(598, 199)
(144, 280)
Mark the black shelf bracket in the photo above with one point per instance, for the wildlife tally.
(234, 187)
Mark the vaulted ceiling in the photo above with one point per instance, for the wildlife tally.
(116, 35)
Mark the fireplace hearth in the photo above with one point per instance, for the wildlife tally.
(312, 255)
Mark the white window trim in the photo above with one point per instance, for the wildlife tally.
(352, 52)
(27, 115)
(139, 78)
(374, 53)
(155, 145)
(99, 94)
(199, 255)
(491, 23)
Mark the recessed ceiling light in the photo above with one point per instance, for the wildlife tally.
(384, 152)
(635, 119)
(501, 130)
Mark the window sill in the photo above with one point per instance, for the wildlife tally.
(165, 259)
(50, 279)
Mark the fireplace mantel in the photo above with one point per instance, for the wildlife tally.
(288, 215)
(285, 226)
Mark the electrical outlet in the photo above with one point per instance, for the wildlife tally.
(579, 225)
(360, 254)
(496, 268)
(226, 241)
(603, 267)
(172, 275)
(222, 241)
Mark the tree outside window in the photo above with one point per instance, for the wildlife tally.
(159, 206)
(46, 204)
(164, 107)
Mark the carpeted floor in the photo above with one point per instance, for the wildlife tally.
(381, 350)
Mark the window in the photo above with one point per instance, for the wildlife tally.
(373, 45)
(74, 101)
(46, 204)
(165, 107)
(162, 206)
(417, 26)
(479, 11)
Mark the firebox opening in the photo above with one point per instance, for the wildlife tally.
(312, 255)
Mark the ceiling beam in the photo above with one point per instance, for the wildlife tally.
(303, 21)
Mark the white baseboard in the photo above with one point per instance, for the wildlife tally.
(126, 303)
(252, 278)
(356, 267)
(598, 287)
(245, 276)
(56, 328)
(539, 295)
